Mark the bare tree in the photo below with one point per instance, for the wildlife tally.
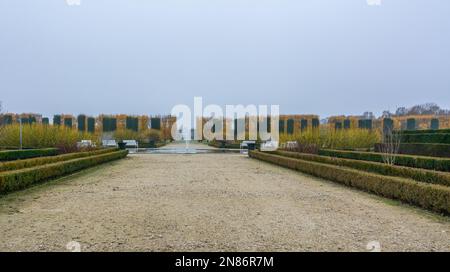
(2, 119)
(390, 146)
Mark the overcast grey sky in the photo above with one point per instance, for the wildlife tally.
(143, 57)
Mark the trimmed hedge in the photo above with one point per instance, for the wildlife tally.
(224, 144)
(431, 138)
(433, 150)
(10, 155)
(19, 179)
(439, 164)
(19, 164)
(429, 196)
(426, 131)
(428, 176)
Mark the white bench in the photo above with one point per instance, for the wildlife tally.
(131, 143)
(269, 146)
(85, 143)
(109, 143)
(291, 145)
(243, 147)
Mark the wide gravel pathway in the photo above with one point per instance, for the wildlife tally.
(209, 202)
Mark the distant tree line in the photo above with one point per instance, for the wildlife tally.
(421, 109)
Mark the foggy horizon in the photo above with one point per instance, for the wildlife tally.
(136, 57)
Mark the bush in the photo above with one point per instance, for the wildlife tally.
(335, 139)
(19, 179)
(422, 175)
(44, 136)
(439, 164)
(225, 144)
(9, 155)
(429, 196)
(143, 137)
(426, 131)
(19, 164)
(433, 150)
(437, 138)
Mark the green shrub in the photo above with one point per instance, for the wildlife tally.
(429, 196)
(411, 124)
(422, 175)
(437, 138)
(426, 131)
(9, 155)
(132, 123)
(438, 164)
(91, 124)
(44, 136)
(19, 179)
(155, 123)
(335, 138)
(225, 144)
(433, 150)
(81, 122)
(19, 164)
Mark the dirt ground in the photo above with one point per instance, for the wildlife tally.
(209, 202)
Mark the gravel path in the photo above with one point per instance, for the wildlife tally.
(219, 202)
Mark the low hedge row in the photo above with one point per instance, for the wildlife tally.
(19, 179)
(426, 131)
(19, 164)
(430, 138)
(10, 155)
(221, 144)
(438, 164)
(429, 196)
(422, 175)
(433, 150)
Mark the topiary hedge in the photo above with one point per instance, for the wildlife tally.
(9, 155)
(422, 175)
(19, 164)
(224, 144)
(429, 196)
(438, 164)
(433, 150)
(425, 131)
(437, 138)
(19, 179)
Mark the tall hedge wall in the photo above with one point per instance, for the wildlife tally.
(411, 124)
(132, 123)
(109, 124)
(68, 122)
(281, 126)
(155, 123)
(57, 120)
(290, 126)
(91, 124)
(434, 124)
(81, 122)
(365, 123)
(347, 123)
